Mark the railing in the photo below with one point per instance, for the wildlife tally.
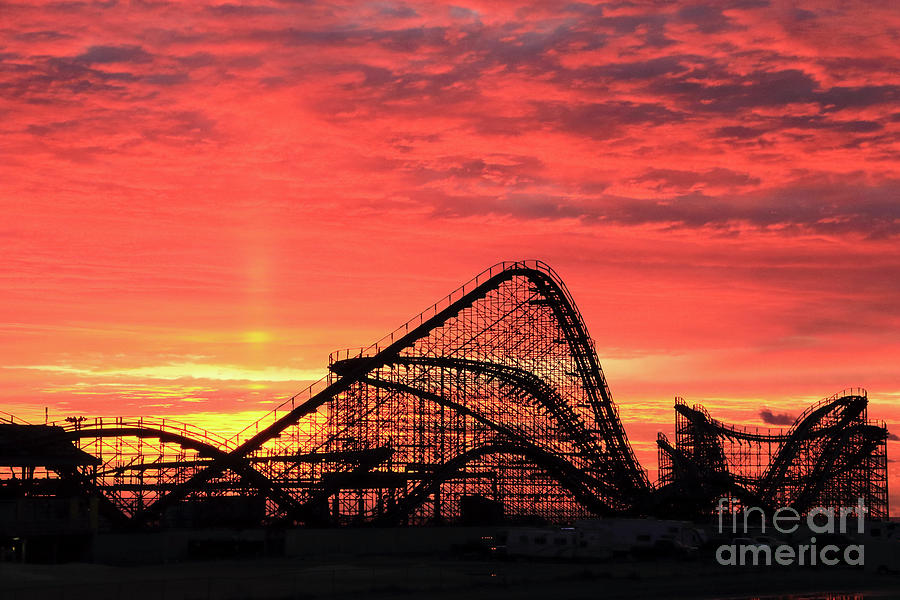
(150, 423)
(449, 299)
(847, 392)
(11, 419)
(284, 408)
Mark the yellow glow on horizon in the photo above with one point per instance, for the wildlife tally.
(257, 337)
(186, 370)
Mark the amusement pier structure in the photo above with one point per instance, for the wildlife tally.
(489, 406)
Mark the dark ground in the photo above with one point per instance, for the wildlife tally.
(436, 577)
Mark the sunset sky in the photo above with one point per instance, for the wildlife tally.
(200, 201)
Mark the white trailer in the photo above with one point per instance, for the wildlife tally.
(602, 538)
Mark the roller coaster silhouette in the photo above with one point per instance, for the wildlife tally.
(490, 405)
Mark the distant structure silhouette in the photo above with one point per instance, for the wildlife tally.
(831, 456)
(488, 407)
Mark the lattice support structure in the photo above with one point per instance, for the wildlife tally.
(490, 404)
(830, 457)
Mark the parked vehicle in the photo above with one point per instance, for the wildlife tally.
(603, 538)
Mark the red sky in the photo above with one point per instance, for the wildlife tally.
(200, 201)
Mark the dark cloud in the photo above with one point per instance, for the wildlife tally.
(520, 205)
(511, 171)
(198, 59)
(500, 125)
(114, 54)
(785, 124)
(841, 97)
(739, 132)
(240, 10)
(645, 69)
(166, 79)
(52, 127)
(894, 437)
(460, 12)
(684, 83)
(63, 69)
(61, 80)
(707, 91)
(804, 207)
(413, 94)
(822, 207)
(412, 39)
(763, 88)
(687, 179)
(42, 36)
(603, 119)
(821, 122)
(840, 65)
(482, 167)
(800, 14)
(406, 40)
(706, 18)
(471, 48)
(630, 23)
(649, 26)
(772, 418)
(398, 11)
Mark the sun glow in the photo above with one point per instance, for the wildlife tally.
(257, 337)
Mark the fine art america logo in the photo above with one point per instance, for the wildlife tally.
(786, 521)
